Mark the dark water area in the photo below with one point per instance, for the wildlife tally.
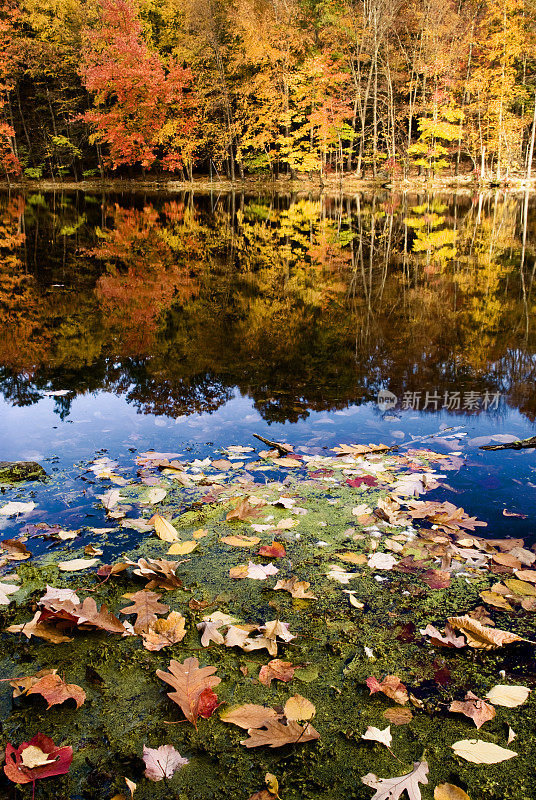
(131, 322)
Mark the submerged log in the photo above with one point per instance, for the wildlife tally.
(16, 471)
(522, 443)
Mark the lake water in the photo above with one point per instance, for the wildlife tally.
(180, 323)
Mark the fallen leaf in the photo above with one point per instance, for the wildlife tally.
(161, 573)
(162, 762)
(447, 791)
(297, 588)
(520, 587)
(390, 686)
(376, 735)
(495, 600)
(54, 760)
(393, 788)
(274, 550)
(15, 549)
(164, 632)
(275, 734)
(480, 752)
(8, 509)
(243, 511)
(39, 629)
(276, 670)
(56, 691)
(154, 495)
(76, 564)
(474, 708)
(299, 708)
(483, 638)
(381, 561)
(448, 639)
(189, 681)
(5, 590)
(257, 572)
(352, 558)
(249, 715)
(146, 606)
(240, 541)
(508, 696)
(210, 632)
(164, 529)
(182, 548)
(398, 716)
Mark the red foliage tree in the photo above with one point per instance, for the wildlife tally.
(8, 155)
(144, 111)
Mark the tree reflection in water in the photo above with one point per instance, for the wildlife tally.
(300, 303)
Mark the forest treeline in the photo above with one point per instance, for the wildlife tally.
(373, 88)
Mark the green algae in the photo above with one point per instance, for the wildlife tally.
(127, 706)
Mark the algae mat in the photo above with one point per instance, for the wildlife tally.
(292, 625)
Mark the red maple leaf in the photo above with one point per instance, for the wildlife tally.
(60, 759)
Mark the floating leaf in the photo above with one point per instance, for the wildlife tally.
(56, 691)
(44, 760)
(299, 708)
(240, 541)
(8, 509)
(189, 681)
(146, 606)
(276, 670)
(164, 632)
(474, 708)
(376, 735)
(162, 762)
(76, 564)
(480, 752)
(393, 788)
(447, 791)
(297, 588)
(276, 734)
(249, 715)
(182, 548)
(164, 529)
(390, 686)
(481, 637)
(508, 696)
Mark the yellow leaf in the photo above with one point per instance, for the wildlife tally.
(164, 529)
(182, 548)
(480, 752)
(447, 791)
(240, 541)
(272, 783)
(352, 558)
(200, 533)
(508, 696)
(298, 707)
(76, 564)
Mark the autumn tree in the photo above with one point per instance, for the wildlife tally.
(9, 159)
(144, 112)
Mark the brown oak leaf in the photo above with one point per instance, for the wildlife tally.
(189, 681)
(275, 733)
(146, 606)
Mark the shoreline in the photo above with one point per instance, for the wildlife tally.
(348, 185)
